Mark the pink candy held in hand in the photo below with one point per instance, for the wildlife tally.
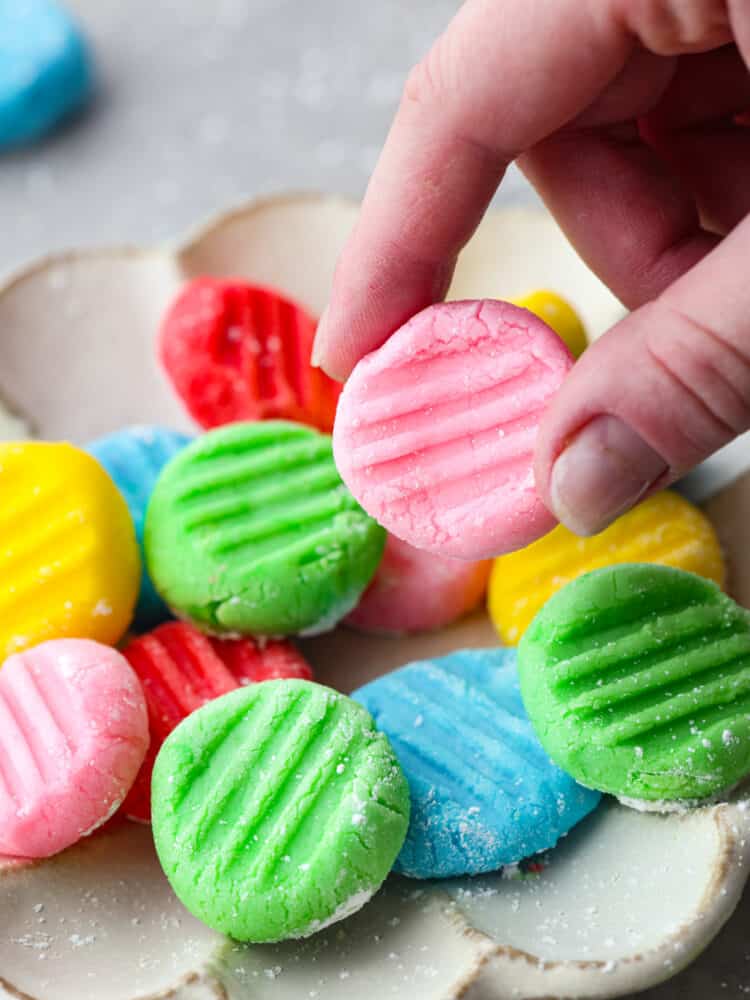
(415, 591)
(73, 735)
(435, 430)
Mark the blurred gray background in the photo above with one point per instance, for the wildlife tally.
(203, 103)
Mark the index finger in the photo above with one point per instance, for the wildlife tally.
(503, 76)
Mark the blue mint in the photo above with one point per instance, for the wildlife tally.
(134, 458)
(45, 69)
(484, 794)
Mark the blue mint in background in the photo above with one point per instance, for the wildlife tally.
(484, 794)
(45, 69)
(134, 457)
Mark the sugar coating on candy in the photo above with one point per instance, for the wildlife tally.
(664, 529)
(484, 793)
(277, 809)
(435, 430)
(69, 563)
(45, 69)
(134, 457)
(236, 351)
(637, 681)
(181, 669)
(251, 531)
(73, 734)
(415, 591)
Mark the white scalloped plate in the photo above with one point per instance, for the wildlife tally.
(627, 899)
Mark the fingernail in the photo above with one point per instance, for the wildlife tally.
(318, 348)
(605, 469)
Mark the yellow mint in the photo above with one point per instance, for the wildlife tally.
(69, 563)
(560, 315)
(665, 529)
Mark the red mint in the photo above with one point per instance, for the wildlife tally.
(181, 669)
(236, 351)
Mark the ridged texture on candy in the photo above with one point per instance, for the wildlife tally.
(45, 69)
(73, 733)
(69, 563)
(414, 591)
(269, 660)
(241, 352)
(637, 681)
(134, 457)
(665, 529)
(558, 313)
(250, 530)
(436, 429)
(483, 791)
(277, 809)
(181, 669)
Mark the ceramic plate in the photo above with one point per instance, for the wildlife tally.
(626, 901)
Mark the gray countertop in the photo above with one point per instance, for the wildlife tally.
(202, 104)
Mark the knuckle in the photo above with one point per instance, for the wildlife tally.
(671, 27)
(707, 370)
(426, 83)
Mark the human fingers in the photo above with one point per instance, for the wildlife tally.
(657, 394)
(482, 95)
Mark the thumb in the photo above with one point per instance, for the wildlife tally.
(658, 393)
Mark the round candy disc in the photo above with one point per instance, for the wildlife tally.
(435, 430)
(181, 669)
(73, 733)
(134, 457)
(558, 313)
(45, 69)
(415, 591)
(637, 681)
(664, 529)
(250, 530)
(69, 563)
(277, 809)
(236, 351)
(483, 791)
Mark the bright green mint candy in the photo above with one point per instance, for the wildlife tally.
(250, 530)
(637, 681)
(278, 809)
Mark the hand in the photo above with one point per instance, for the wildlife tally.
(629, 117)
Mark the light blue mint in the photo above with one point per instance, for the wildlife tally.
(484, 794)
(134, 458)
(45, 69)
